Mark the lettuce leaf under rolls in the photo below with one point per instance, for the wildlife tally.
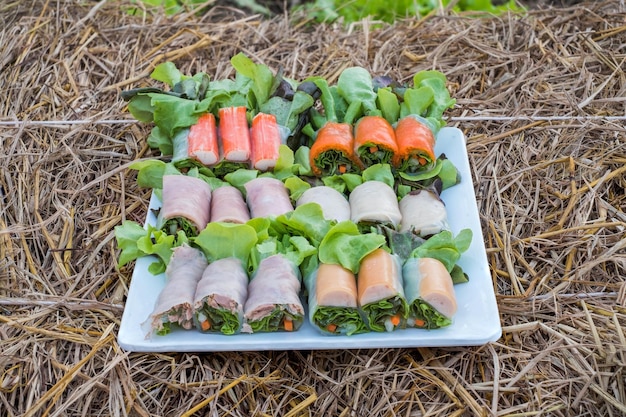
(273, 302)
(332, 296)
(174, 306)
(220, 296)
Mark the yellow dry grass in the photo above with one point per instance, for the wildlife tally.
(542, 100)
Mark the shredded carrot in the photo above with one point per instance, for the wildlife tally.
(342, 169)
(205, 325)
(395, 320)
(373, 149)
(331, 327)
(422, 161)
(288, 324)
(420, 323)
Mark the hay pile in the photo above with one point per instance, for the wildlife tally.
(542, 100)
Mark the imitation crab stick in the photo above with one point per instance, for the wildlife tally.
(374, 140)
(333, 307)
(430, 293)
(202, 140)
(234, 134)
(333, 150)
(265, 141)
(380, 291)
(416, 145)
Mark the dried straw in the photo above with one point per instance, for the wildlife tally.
(541, 99)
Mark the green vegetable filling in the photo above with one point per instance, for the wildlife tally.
(275, 321)
(420, 310)
(379, 156)
(347, 320)
(220, 319)
(330, 161)
(379, 312)
(176, 224)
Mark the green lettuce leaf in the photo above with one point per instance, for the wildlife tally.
(344, 245)
(226, 240)
(377, 313)
(445, 247)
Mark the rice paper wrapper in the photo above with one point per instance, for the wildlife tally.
(273, 296)
(344, 314)
(175, 302)
(220, 296)
(435, 309)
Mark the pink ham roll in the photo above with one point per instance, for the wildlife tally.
(274, 292)
(174, 306)
(187, 198)
(267, 197)
(228, 205)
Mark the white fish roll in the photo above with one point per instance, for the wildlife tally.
(374, 202)
(335, 206)
(267, 197)
(423, 213)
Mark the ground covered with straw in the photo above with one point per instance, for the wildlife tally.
(542, 101)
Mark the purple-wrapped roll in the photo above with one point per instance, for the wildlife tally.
(220, 297)
(334, 205)
(174, 306)
(186, 205)
(267, 197)
(273, 302)
(228, 205)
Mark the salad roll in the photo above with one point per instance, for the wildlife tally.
(374, 140)
(265, 140)
(267, 197)
(423, 213)
(374, 202)
(332, 153)
(332, 295)
(273, 302)
(186, 205)
(220, 296)
(380, 291)
(174, 306)
(228, 205)
(234, 140)
(335, 205)
(416, 145)
(430, 293)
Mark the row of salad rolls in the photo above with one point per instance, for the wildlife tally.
(189, 204)
(408, 145)
(228, 144)
(357, 122)
(382, 297)
(219, 296)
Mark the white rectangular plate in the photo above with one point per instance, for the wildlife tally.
(476, 322)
